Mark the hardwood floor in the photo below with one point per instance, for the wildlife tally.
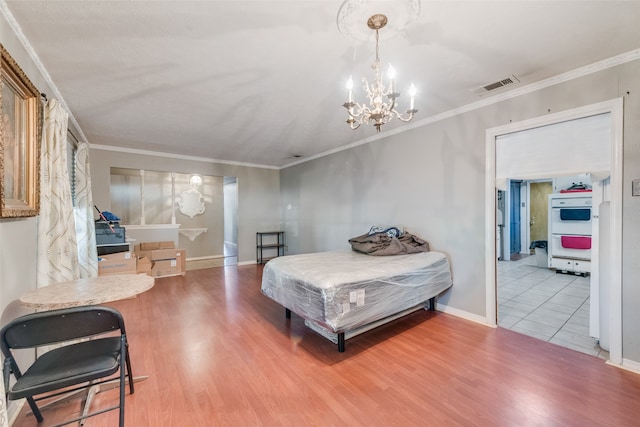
(219, 353)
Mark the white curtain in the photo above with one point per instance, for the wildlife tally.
(4, 417)
(57, 247)
(85, 226)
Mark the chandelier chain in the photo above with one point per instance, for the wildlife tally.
(377, 43)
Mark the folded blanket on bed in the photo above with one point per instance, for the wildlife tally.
(383, 244)
(390, 231)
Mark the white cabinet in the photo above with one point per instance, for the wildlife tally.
(571, 265)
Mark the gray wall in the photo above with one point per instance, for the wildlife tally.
(258, 189)
(431, 181)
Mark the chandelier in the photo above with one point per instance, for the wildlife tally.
(378, 112)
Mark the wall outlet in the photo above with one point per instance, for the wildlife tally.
(635, 187)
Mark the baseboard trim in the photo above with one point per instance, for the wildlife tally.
(627, 365)
(198, 263)
(463, 314)
(202, 258)
(13, 410)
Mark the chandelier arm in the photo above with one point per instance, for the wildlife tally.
(409, 115)
(351, 115)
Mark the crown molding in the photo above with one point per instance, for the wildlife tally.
(177, 156)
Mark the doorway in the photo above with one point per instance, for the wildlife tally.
(538, 209)
(613, 279)
(230, 190)
(533, 298)
(515, 244)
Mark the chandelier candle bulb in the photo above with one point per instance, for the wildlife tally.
(412, 93)
(350, 88)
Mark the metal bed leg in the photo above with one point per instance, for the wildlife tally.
(341, 342)
(287, 313)
(432, 304)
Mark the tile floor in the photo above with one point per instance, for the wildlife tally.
(541, 303)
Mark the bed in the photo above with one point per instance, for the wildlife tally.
(341, 294)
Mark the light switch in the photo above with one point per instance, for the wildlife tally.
(635, 187)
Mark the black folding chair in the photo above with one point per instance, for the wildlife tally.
(72, 367)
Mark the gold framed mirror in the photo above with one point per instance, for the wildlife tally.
(20, 140)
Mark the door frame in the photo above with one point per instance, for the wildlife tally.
(615, 108)
(514, 213)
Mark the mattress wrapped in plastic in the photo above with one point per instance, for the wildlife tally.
(343, 290)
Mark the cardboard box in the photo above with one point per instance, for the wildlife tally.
(143, 266)
(151, 246)
(155, 250)
(118, 263)
(170, 267)
(158, 254)
(159, 259)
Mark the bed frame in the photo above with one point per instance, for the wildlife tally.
(342, 336)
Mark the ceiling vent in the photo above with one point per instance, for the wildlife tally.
(497, 85)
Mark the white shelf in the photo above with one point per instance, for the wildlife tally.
(192, 233)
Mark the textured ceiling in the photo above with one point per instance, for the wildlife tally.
(260, 82)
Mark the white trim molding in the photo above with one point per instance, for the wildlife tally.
(462, 314)
(629, 365)
(176, 156)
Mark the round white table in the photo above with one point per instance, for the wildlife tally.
(92, 291)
